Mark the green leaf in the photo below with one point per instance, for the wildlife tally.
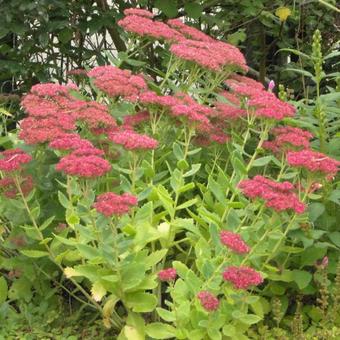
(248, 319)
(141, 302)
(302, 278)
(214, 334)
(144, 213)
(303, 72)
(187, 204)
(134, 62)
(65, 35)
(178, 152)
(295, 52)
(63, 200)
(88, 271)
(216, 190)
(3, 290)
(311, 255)
(132, 275)
(262, 161)
(193, 10)
(238, 164)
(166, 314)
(32, 232)
(176, 180)
(194, 169)
(315, 211)
(47, 223)
(335, 238)
(335, 197)
(166, 199)
(169, 8)
(187, 224)
(154, 258)
(34, 253)
(88, 252)
(67, 241)
(182, 164)
(158, 330)
(186, 187)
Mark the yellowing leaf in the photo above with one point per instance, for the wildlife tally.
(132, 333)
(109, 306)
(98, 291)
(70, 272)
(283, 13)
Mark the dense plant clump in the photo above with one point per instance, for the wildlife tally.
(170, 206)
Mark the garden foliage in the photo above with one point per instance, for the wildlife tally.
(189, 204)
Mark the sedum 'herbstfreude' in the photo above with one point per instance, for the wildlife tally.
(123, 129)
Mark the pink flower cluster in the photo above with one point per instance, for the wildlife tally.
(53, 112)
(131, 140)
(116, 82)
(7, 184)
(226, 111)
(110, 204)
(70, 141)
(234, 242)
(188, 43)
(141, 23)
(242, 277)
(180, 105)
(84, 162)
(265, 103)
(77, 72)
(168, 274)
(189, 32)
(130, 121)
(13, 159)
(138, 12)
(208, 301)
(314, 162)
(288, 137)
(211, 55)
(279, 196)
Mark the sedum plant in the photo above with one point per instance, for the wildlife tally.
(166, 203)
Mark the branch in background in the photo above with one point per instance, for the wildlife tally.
(117, 40)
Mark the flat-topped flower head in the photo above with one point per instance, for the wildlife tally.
(208, 301)
(70, 141)
(313, 161)
(189, 31)
(94, 114)
(234, 242)
(54, 112)
(146, 27)
(288, 138)
(180, 105)
(279, 196)
(213, 56)
(242, 277)
(168, 274)
(84, 162)
(36, 130)
(117, 82)
(136, 119)
(265, 104)
(131, 140)
(110, 204)
(13, 159)
(139, 12)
